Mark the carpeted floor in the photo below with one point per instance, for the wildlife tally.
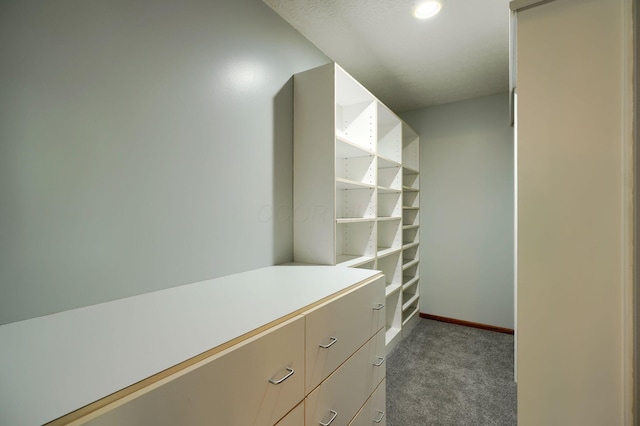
(450, 375)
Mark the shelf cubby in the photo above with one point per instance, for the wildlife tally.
(355, 241)
(411, 199)
(389, 134)
(393, 325)
(409, 314)
(410, 271)
(411, 300)
(355, 122)
(355, 203)
(389, 204)
(410, 148)
(411, 180)
(391, 265)
(389, 175)
(409, 290)
(409, 234)
(390, 234)
(410, 217)
(410, 265)
(409, 280)
(357, 169)
(410, 253)
(348, 91)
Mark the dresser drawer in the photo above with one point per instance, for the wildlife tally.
(374, 411)
(346, 390)
(335, 330)
(230, 388)
(294, 418)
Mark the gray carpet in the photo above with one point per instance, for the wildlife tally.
(446, 374)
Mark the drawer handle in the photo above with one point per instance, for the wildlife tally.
(380, 361)
(290, 372)
(378, 420)
(331, 343)
(378, 306)
(334, 414)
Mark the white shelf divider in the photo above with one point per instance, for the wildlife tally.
(409, 302)
(410, 264)
(409, 316)
(408, 281)
(391, 289)
(410, 245)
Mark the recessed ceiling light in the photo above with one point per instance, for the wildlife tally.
(427, 9)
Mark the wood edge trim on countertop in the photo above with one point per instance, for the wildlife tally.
(92, 410)
(467, 323)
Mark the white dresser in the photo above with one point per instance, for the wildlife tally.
(286, 345)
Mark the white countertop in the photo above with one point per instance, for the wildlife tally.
(52, 365)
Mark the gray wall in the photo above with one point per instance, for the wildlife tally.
(143, 145)
(467, 209)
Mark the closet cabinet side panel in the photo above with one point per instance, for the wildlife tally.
(314, 166)
(571, 213)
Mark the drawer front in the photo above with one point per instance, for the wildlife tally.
(344, 392)
(341, 326)
(294, 418)
(230, 388)
(374, 411)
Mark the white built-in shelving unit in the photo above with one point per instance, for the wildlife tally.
(410, 226)
(356, 194)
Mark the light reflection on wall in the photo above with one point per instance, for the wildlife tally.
(244, 74)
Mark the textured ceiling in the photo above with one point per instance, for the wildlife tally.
(408, 63)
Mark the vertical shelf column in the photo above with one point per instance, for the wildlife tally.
(410, 229)
(356, 172)
(389, 256)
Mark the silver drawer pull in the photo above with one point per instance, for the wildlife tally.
(286, 376)
(378, 420)
(380, 361)
(334, 414)
(378, 306)
(331, 343)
